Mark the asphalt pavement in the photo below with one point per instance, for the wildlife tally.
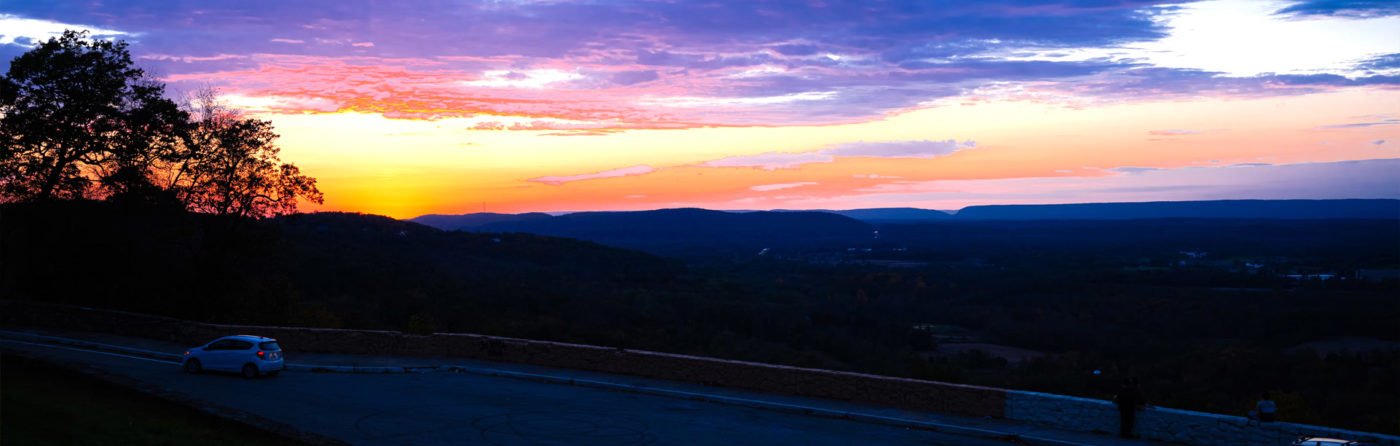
(375, 400)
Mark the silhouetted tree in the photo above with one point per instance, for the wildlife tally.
(81, 121)
(78, 113)
(230, 167)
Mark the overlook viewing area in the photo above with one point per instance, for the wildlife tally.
(932, 407)
(700, 223)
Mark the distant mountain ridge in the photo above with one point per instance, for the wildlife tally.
(1234, 209)
(790, 220)
(666, 230)
(670, 224)
(894, 215)
(471, 221)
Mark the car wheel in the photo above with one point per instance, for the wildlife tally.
(250, 371)
(193, 366)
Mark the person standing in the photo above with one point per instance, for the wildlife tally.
(1129, 401)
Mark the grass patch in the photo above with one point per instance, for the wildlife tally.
(44, 404)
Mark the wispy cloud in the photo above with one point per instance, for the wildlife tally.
(1347, 179)
(770, 160)
(922, 149)
(780, 186)
(191, 59)
(1173, 132)
(1133, 170)
(1357, 125)
(522, 79)
(1343, 8)
(625, 171)
(638, 64)
(23, 31)
(899, 149)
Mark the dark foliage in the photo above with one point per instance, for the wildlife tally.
(79, 120)
(1111, 296)
(77, 109)
(698, 232)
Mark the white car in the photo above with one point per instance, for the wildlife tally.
(250, 355)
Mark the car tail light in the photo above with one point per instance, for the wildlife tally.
(260, 355)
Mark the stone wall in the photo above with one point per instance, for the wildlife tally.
(887, 391)
(1170, 425)
(1058, 411)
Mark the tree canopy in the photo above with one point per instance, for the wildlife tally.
(78, 119)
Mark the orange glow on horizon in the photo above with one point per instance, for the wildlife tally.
(406, 167)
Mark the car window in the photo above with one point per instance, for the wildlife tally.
(270, 345)
(220, 345)
(240, 345)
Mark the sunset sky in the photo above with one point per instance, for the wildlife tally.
(409, 108)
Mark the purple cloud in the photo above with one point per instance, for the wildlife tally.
(1382, 62)
(634, 77)
(853, 61)
(1347, 179)
(899, 149)
(1133, 170)
(1166, 83)
(770, 160)
(881, 149)
(1358, 125)
(1342, 8)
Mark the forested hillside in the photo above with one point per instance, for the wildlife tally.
(1206, 334)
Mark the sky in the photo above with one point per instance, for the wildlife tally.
(405, 108)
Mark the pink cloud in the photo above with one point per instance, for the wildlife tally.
(780, 186)
(647, 64)
(188, 59)
(625, 171)
(603, 133)
(433, 89)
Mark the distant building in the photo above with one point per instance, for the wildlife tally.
(1377, 275)
(890, 263)
(1195, 254)
(1320, 276)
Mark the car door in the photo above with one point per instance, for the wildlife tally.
(216, 355)
(238, 353)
